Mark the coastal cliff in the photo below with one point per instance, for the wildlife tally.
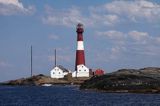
(146, 80)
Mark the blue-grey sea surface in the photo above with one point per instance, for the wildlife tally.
(71, 96)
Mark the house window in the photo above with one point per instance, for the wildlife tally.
(59, 73)
(79, 70)
(84, 70)
(53, 73)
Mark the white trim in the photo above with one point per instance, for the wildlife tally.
(80, 45)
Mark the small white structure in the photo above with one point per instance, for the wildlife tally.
(58, 72)
(82, 71)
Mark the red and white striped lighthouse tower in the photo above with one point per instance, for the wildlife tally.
(80, 56)
(80, 68)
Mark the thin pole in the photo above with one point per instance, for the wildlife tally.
(31, 60)
(55, 58)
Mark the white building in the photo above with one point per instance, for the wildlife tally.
(82, 71)
(58, 72)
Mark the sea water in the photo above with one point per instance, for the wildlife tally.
(71, 96)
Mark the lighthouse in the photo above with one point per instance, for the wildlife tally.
(80, 56)
(80, 68)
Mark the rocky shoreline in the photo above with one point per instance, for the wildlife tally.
(41, 79)
(144, 91)
(146, 80)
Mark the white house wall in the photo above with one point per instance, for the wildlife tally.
(56, 72)
(82, 71)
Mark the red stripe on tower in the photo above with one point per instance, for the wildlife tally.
(80, 56)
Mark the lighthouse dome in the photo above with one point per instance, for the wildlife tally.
(80, 28)
(80, 25)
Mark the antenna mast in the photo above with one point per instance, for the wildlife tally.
(55, 58)
(31, 60)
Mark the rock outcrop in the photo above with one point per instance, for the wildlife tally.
(126, 80)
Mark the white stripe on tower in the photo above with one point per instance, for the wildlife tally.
(80, 45)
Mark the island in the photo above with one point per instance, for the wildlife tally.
(40, 80)
(145, 80)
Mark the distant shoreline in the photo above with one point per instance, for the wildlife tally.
(41, 79)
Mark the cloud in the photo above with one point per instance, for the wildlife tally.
(103, 19)
(63, 54)
(132, 42)
(110, 19)
(158, 40)
(148, 50)
(66, 58)
(134, 10)
(71, 16)
(134, 35)
(112, 34)
(68, 17)
(116, 52)
(109, 14)
(112, 53)
(138, 36)
(143, 43)
(4, 64)
(53, 37)
(11, 7)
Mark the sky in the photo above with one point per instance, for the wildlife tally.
(117, 34)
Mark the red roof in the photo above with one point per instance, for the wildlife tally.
(99, 72)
